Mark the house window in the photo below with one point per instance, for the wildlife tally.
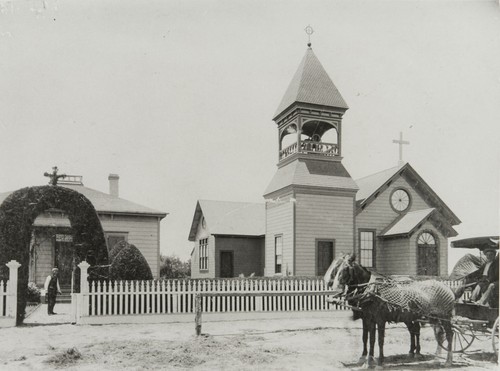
(114, 237)
(367, 248)
(203, 253)
(278, 252)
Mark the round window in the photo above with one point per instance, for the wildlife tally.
(400, 200)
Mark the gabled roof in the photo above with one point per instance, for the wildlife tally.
(311, 84)
(229, 218)
(317, 173)
(372, 184)
(407, 223)
(106, 203)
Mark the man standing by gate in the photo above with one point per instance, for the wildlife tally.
(52, 289)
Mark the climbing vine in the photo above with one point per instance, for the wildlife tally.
(19, 211)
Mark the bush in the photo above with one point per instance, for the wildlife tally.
(33, 293)
(173, 267)
(116, 249)
(130, 264)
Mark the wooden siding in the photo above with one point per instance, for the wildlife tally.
(279, 221)
(142, 232)
(396, 256)
(201, 234)
(247, 254)
(320, 216)
(379, 213)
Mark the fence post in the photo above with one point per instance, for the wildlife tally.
(197, 318)
(12, 289)
(84, 289)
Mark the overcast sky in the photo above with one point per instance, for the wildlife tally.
(177, 97)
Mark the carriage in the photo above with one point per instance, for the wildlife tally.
(474, 321)
(457, 322)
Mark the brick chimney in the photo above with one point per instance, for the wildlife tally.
(113, 184)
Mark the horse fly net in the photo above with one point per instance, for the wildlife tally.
(428, 298)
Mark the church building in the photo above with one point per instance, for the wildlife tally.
(314, 211)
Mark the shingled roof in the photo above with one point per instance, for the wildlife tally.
(230, 218)
(407, 222)
(370, 185)
(311, 84)
(312, 174)
(106, 203)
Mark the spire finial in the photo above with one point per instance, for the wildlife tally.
(309, 31)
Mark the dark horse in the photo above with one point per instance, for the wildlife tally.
(346, 273)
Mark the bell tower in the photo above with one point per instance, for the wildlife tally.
(310, 202)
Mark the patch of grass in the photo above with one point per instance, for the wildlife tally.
(198, 351)
(66, 358)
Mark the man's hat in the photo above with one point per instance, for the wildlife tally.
(55, 270)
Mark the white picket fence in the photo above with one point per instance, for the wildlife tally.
(178, 296)
(165, 297)
(8, 296)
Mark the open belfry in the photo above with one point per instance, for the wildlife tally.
(311, 198)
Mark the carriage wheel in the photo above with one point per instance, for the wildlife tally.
(494, 337)
(462, 338)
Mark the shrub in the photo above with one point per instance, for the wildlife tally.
(130, 264)
(173, 267)
(116, 249)
(33, 293)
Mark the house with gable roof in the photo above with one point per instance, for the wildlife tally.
(229, 239)
(121, 219)
(315, 212)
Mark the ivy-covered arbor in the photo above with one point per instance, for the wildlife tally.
(19, 211)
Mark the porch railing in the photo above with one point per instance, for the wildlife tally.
(325, 149)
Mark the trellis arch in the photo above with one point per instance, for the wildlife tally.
(17, 214)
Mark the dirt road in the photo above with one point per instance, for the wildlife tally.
(315, 341)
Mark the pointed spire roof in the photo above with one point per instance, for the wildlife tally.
(311, 84)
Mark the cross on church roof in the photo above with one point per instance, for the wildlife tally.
(54, 177)
(400, 142)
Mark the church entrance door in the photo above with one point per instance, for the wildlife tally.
(427, 254)
(428, 261)
(226, 264)
(324, 253)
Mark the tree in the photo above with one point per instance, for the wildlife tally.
(172, 267)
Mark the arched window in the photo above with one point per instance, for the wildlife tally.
(426, 238)
(427, 254)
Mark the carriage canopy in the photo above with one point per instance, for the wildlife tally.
(480, 243)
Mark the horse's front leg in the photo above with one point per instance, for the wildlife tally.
(381, 336)
(362, 359)
(372, 330)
